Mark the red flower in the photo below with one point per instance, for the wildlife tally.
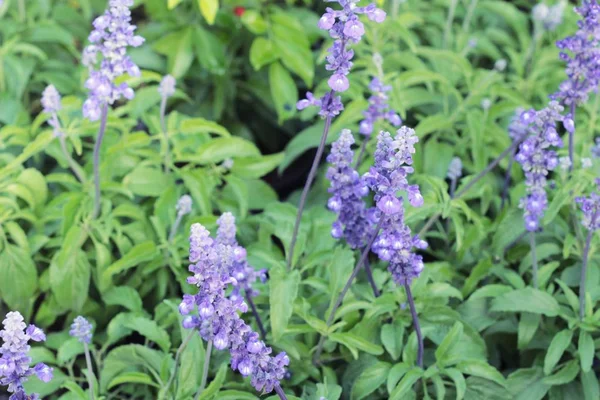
(239, 11)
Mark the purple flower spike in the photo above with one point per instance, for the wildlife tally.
(348, 189)
(395, 243)
(537, 159)
(378, 108)
(344, 27)
(14, 358)
(590, 206)
(81, 329)
(112, 34)
(213, 262)
(580, 52)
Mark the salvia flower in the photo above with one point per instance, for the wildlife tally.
(596, 148)
(388, 176)
(454, 169)
(344, 27)
(379, 108)
(519, 124)
(14, 358)
(354, 221)
(590, 206)
(167, 86)
(51, 103)
(81, 329)
(244, 274)
(217, 316)
(112, 33)
(580, 52)
(586, 162)
(549, 16)
(538, 159)
(184, 205)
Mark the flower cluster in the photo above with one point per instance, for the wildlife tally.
(14, 359)
(241, 271)
(583, 62)
(167, 86)
(395, 243)
(354, 221)
(184, 205)
(344, 27)
(112, 34)
(217, 319)
(454, 169)
(549, 16)
(378, 108)
(51, 103)
(590, 206)
(537, 158)
(519, 124)
(81, 329)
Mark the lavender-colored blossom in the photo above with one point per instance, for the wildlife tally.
(537, 159)
(184, 205)
(581, 54)
(244, 274)
(344, 27)
(519, 123)
(217, 318)
(454, 169)
(395, 243)
(379, 108)
(354, 221)
(81, 329)
(112, 33)
(14, 359)
(586, 163)
(596, 148)
(564, 163)
(500, 65)
(52, 104)
(549, 16)
(590, 206)
(167, 86)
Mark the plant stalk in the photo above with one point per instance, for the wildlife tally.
(174, 227)
(97, 145)
(90, 374)
(586, 252)
(180, 350)
(507, 180)
(369, 272)
(280, 392)
(449, 20)
(261, 327)
(205, 370)
(416, 324)
(469, 15)
(72, 164)
(571, 138)
(534, 263)
(163, 126)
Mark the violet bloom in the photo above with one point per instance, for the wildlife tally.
(51, 103)
(344, 27)
(596, 148)
(354, 221)
(167, 86)
(388, 176)
(217, 319)
(537, 159)
(244, 274)
(112, 34)
(590, 207)
(14, 359)
(184, 205)
(81, 329)
(549, 16)
(519, 124)
(379, 108)
(454, 169)
(583, 58)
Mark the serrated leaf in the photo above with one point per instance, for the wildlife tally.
(526, 300)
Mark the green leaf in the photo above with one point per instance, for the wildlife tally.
(392, 338)
(171, 4)
(68, 350)
(128, 358)
(459, 382)
(262, 52)
(215, 385)
(565, 375)
(449, 341)
(256, 166)
(528, 326)
(283, 286)
(177, 46)
(482, 370)
(75, 390)
(526, 300)
(291, 42)
(591, 389)
(149, 329)
(192, 363)
(283, 92)
(200, 125)
(146, 181)
(209, 9)
(219, 149)
(559, 344)
(253, 20)
(370, 380)
(354, 342)
(406, 384)
(210, 52)
(132, 377)
(138, 254)
(586, 351)
(18, 277)
(124, 296)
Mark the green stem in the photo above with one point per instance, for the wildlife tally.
(163, 126)
(205, 370)
(449, 20)
(97, 145)
(90, 374)
(534, 263)
(586, 252)
(469, 15)
(180, 350)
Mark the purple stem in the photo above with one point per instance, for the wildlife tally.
(309, 181)
(534, 263)
(261, 327)
(370, 278)
(163, 126)
(342, 294)
(571, 136)
(586, 251)
(507, 180)
(97, 145)
(280, 392)
(416, 325)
